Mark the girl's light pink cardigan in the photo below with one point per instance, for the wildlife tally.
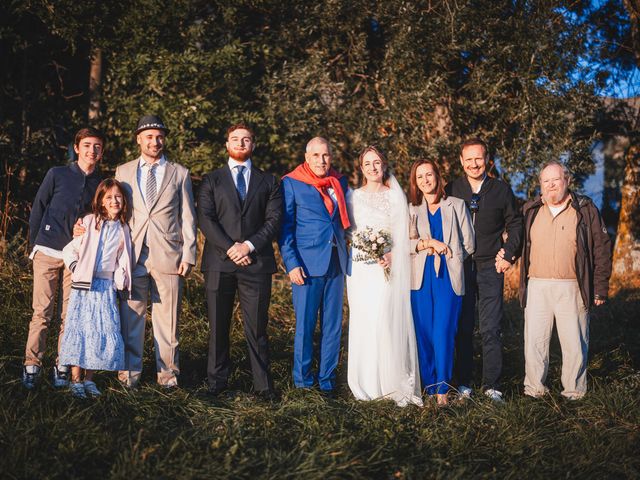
(80, 257)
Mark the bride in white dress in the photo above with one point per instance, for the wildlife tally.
(383, 358)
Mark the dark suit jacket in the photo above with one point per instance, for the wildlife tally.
(224, 220)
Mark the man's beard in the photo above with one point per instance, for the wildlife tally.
(155, 153)
(239, 156)
(556, 198)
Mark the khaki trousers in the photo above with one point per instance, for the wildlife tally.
(546, 299)
(48, 273)
(166, 292)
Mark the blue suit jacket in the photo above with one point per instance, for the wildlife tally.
(308, 231)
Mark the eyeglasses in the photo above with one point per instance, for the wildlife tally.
(474, 205)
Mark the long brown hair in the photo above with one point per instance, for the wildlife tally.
(385, 165)
(96, 206)
(415, 194)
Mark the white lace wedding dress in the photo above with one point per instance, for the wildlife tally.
(382, 357)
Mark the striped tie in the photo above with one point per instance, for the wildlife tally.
(152, 189)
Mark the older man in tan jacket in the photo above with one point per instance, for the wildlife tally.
(163, 230)
(566, 265)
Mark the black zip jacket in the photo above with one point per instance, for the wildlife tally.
(64, 196)
(497, 212)
(593, 250)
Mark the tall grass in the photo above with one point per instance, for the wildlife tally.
(152, 433)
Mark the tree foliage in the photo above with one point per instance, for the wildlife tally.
(412, 77)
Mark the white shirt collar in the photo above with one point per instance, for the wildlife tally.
(160, 163)
(234, 163)
(479, 186)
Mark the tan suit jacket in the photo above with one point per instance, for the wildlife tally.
(169, 224)
(457, 232)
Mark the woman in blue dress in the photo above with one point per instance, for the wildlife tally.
(441, 236)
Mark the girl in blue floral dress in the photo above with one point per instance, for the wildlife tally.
(100, 262)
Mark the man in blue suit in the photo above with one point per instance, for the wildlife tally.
(312, 243)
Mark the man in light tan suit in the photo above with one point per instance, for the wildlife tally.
(163, 230)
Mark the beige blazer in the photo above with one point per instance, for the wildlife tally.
(169, 224)
(457, 232)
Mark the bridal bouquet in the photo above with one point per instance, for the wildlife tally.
(372, 245)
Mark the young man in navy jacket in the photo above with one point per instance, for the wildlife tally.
(64, 196)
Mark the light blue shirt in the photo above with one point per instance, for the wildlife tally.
(109, 246)
(143, 171)
(234, 171)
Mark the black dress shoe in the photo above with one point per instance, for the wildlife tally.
(267, 396)
(217, 391)
(328, 394)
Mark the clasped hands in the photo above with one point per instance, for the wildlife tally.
(239, 254)
(502, 265)
(434, 247)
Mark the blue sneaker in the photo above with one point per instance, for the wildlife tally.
(30, 376)
(60, 376)
(77, 390)
(91, 389)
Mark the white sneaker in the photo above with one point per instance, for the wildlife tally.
(77, 390)
(465, 392)
(60, 376)
(495, 395)
(573, 398)
(91, 389)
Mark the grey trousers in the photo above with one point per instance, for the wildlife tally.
(560, 299)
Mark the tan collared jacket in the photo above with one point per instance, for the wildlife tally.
(169, 224)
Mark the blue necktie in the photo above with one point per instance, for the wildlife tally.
(241, 185)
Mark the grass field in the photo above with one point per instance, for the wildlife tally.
(152, 433)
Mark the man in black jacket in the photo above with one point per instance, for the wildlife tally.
(64, 196)
(494, 212)
(239, 213)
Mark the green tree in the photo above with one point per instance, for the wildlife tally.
(415, 78)
(614, 43)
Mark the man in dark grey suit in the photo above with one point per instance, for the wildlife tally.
(239, 213)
